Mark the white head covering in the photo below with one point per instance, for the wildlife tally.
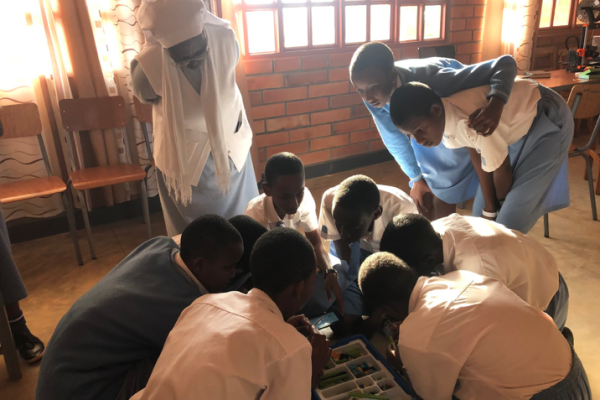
(170, 22)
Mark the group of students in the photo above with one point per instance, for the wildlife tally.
(181, 321)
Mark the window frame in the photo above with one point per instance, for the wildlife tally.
(572, 18)
(241, 9)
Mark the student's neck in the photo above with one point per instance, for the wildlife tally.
(283, 303)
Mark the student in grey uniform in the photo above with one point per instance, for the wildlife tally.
(12, 290)
(202, 137)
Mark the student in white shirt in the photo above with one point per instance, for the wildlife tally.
(287, 202)
(522, 166)
(238, 346)
(486, 248)
(469, 336)
(354, 215)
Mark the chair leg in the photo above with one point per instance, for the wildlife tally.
(68, 205)
(546, 226)
(9, 350)
(145, 207)
(588, 164)
(86, 221)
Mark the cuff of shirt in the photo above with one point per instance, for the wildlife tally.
(417, 178)
(498, 92)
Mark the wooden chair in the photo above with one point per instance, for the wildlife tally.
(143, 113)
(446, 51)
(23, 120)
(100, 113)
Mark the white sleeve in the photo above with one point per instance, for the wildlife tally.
(493, 150)
(433, 375)
(290, 378)
(255, 210)
(308, 212)
(326, 222)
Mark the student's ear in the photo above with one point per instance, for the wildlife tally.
(377, 213)
(436, 110)
(196, 266)
(266, 189)
(298, 289)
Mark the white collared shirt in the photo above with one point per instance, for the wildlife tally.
(261, 209)
(490, 249)
(517, 117)
(232, 346)
(467, 328)
(393, 201)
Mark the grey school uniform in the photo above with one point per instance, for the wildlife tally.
(11, 284)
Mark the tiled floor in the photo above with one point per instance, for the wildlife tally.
(55, 281)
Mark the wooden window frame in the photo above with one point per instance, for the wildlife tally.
(241, 8)
(572, 18)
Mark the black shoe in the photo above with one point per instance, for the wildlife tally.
(30, 347)
(566, 332)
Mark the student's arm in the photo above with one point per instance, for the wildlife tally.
(486, 180)
(503, 179)
(400, 147)
(331, 282)
(343, 250)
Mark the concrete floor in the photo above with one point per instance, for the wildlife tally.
(55, 281)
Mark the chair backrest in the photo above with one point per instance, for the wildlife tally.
(584, 100)
(446, 51)
(21, 120)
(143, 111)
(94, 113)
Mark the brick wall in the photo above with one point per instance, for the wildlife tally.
(306, 104)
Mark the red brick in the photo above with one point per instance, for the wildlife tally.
(410, 52)
(314, 62)
(330, 116)
(305, 78)
(279, 95)
(340, 59)
(478, 35)
(284, 123)
(328, 89)
(462, 11)
(364, 136)
(306, 106)
(255, 98)
(458, 24)
(360, 111)
(475, 58)
(254, 67)
(350, 150)
(460, 37)
(315, 157)
(459, 2)
(464, 58)
(262, 155)
(475, 23)
(352, 125)
(310, 133)
(295, 148)
(271, 139)
(479, 11)
(265, 82)
(258, 127)
(468, 48)
(329, 142)
(376, 145)
(287, 64)
(339, 74)
(272, 110)
(345, 100)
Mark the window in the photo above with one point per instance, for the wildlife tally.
(558, 14)
(278, 26)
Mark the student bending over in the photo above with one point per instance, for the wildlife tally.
(106, 345)
(522, 166)
(484, 247)
(469, 336)
(239, 346)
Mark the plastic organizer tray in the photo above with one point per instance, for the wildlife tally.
(361, 370)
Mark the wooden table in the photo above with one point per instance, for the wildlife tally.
(562, 80)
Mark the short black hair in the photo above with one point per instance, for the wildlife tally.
(359, 192)
(282, 164)
(413, 99)
(372, 54)
(280, 258)
(250, 230)
(383, 279)
(207, 236)
(410, 237)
